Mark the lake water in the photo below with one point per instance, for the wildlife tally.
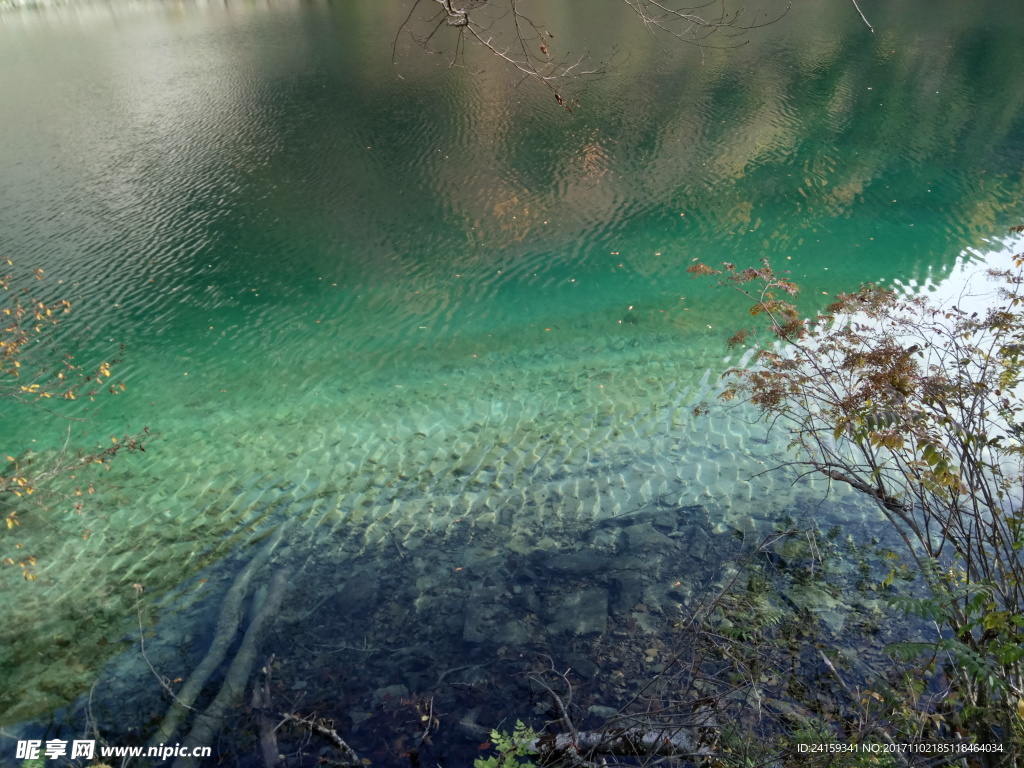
(433, 335)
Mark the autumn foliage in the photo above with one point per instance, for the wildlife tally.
(33, 371)
(918, 407)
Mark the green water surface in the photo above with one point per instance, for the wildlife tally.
(367, 297)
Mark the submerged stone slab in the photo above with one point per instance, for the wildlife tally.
(694, 541)
(583, 561)
(482, 614)
(388, 697)
(627, 590)
(646, 538)
(583, 665)
(517, 632)
(357, 595)
(581, 613)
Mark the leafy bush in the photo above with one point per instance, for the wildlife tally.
(513, 749)
(918, 407)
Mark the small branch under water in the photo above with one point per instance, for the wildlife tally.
(165, 682)
(865, 18)
(349, 756)
(261, 702)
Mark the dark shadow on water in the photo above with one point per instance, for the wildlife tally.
(413, 653)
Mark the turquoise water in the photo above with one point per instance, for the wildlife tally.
(391, 308)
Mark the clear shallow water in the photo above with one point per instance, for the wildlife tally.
(433, 312)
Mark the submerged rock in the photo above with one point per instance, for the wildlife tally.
(583, 666)
(646, 538)
(582, 613)
(517, 632)
(388, 697)
(605, 713)
(357, 595)
(583, 561)
(694, 540)
(483, 612)
(627, 589)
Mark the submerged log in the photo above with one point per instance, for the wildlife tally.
(209, 722)
(224, 635)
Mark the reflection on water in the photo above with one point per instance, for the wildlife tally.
(440, 334)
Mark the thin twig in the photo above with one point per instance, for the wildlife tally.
(865, 18)
(164, 682)
(320, 729)
(430, 724)
(563, 714)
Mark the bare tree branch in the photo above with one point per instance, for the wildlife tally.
(863, 17)
(501, 28)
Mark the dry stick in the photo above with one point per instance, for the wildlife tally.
(227, 625)
(164, 682)
(260, 704)
(865, 18)
(208, 723)
(430, 724)
(642, 742)
(563, 714)
(313, 726)
(672, 741)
